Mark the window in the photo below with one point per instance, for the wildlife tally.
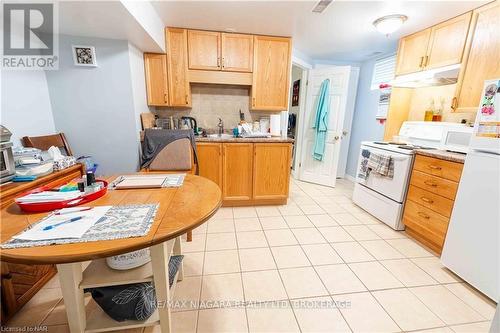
(383, 71)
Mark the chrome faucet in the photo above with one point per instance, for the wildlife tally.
(220, 125)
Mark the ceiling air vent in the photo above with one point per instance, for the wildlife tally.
(321, 6)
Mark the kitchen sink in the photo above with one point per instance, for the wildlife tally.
(222, 136)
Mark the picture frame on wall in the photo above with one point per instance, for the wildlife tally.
(84, 55)
(295, 93)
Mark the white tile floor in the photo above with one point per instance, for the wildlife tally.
(322, 263)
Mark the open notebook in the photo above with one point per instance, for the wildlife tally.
(148, 181)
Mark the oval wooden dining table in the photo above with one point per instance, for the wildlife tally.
(180, 209)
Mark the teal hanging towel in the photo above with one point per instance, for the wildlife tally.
(321, 120)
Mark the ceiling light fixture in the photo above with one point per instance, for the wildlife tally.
(389, 23)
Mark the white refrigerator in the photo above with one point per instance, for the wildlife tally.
(471, 249)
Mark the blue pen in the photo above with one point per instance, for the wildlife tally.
(49, 227)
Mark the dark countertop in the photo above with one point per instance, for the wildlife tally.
(233, 139)
(442, 154)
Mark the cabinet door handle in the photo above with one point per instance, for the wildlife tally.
(430, 183)
(421, 62)
(454, 103)
(253, 101)
(434, 167)
(218, 62)
(426, 62)
(424, 199)
(165, 98)
(223, 63)
(187, 101)
(423, 215)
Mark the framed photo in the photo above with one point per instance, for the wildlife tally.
(84, 55)
(295, 93)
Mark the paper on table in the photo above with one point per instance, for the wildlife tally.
(48, 196)
(69, 230)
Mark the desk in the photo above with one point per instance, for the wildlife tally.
(181, 209)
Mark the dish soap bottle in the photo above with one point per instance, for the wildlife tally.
(429, 113)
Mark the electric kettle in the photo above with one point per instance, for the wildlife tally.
(191, 122)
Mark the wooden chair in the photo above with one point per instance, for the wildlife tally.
(46, 141)
(176, 156)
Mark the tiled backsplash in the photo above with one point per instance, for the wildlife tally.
(421, 99)
(211, 102)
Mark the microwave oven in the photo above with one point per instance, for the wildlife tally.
(456, 138)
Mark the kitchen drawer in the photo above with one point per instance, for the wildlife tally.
(424, 235)
(431, 200)
(437, 167)
(440, 186)
(427, 218)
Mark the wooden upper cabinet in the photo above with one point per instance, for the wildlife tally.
(412, 51)
(481, 57)
(237, 171)
(271, 73)
(204, 50)
(155, 69)
(271, 170)
(447, 42)
(438, 46)
(179, 91)
(237, 52)
(210, 161)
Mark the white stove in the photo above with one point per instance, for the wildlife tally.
(384, 197)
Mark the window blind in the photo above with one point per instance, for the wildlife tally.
(383, 71)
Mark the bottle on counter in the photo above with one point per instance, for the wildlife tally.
(429, 113)
(438, 113)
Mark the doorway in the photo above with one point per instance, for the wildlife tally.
(342, 91)
(298, 87)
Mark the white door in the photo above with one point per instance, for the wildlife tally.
(324, 172)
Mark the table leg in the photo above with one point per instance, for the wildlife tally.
(178, 251)
(70, 277)
(159, 262)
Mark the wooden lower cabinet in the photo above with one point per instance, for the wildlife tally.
(210, 155)
(248, 173)
(271, 170)
(237, 171)
(428, 207)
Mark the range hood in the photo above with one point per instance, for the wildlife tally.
(429, 78)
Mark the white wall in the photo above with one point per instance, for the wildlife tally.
(26, 109)
(94, 106)
(136, 59)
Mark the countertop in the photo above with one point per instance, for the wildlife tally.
(442, 154)
(233, 139)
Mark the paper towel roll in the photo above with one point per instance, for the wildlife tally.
(275, 124)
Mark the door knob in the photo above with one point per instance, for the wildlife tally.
(336, 137)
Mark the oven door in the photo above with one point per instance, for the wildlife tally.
(394, 188)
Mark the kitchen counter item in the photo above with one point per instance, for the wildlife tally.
(226, 138)
(275, 124)
(442, 154)
(53, 205)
